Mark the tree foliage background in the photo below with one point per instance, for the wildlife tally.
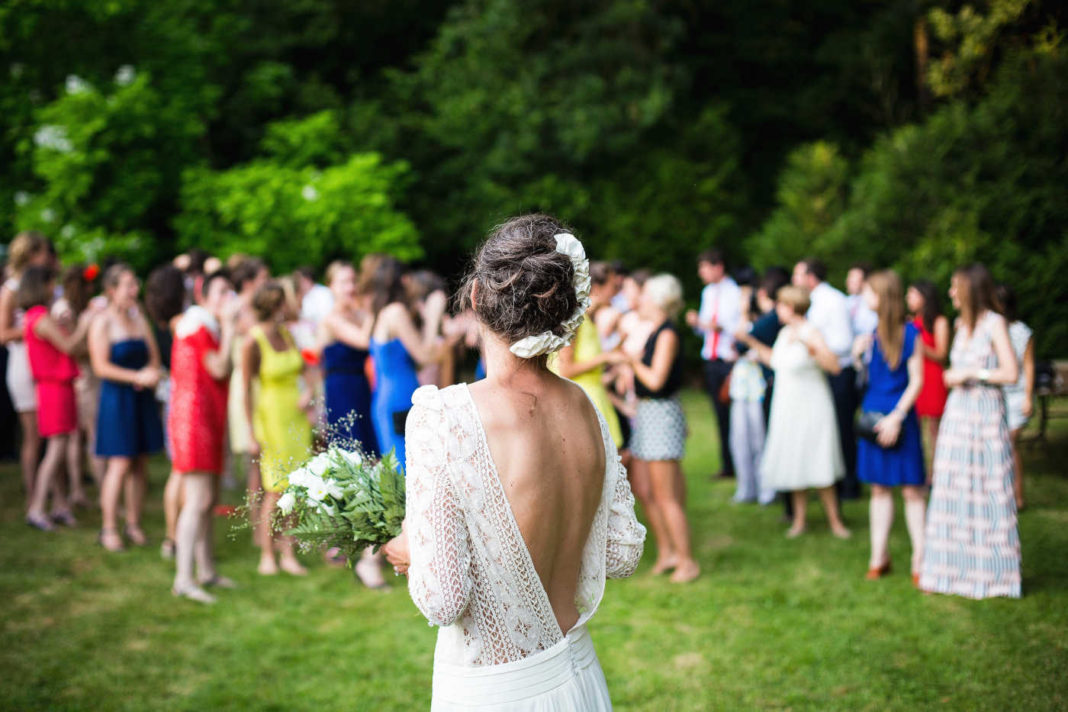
(918, 134)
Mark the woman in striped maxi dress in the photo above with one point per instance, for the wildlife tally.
(973, 547)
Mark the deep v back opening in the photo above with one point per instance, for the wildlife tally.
(528, 560)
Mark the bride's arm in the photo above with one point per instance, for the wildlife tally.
(626, 537)
(438, 579)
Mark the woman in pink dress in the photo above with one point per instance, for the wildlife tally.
(48, 348)
(200, 371)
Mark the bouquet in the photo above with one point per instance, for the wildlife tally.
(341, 499)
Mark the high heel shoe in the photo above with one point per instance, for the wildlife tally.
(878, 572)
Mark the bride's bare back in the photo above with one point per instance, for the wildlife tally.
(546, 444)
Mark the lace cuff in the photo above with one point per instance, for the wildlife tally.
(626, 536)
(438, 578)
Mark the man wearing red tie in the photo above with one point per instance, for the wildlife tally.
(717, 321)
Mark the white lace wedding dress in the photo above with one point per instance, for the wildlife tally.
(500, 646)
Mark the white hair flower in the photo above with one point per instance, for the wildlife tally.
(548, 342)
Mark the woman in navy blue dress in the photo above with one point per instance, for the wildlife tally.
(124, 356)
(400, 344)
(895, 458)
(345, 336)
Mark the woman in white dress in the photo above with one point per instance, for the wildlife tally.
(518, 507)
(802, 450)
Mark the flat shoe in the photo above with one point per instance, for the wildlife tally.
(38, 522)
(135, 534)
(218, 581)
(194, 593)
(113, 549)
(878, 572)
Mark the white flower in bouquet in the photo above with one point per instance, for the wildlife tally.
(303, 477)
(286, 502)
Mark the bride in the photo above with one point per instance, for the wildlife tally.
(518, 507)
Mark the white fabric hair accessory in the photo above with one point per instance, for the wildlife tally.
(547, 342)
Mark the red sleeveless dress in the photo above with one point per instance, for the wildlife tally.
(931, 402)
(53, 373)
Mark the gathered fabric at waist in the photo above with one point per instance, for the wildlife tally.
(507, 683)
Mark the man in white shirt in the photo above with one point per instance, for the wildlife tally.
(316, 300)
(864, 320)
(717, 321)
(829, 313)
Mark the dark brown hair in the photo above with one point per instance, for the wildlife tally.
(267, 300)
(76, 288)
(601, 273)
(382, 276)
(246, 270)
(165, 293)
(525, 286)
(35, 287)
(932, 304)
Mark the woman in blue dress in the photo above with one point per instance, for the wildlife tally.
(895, 457)
(126, 359)
(344, 336)
(400, 344)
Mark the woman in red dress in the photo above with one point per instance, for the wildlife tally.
(923, 303)
(200, 371)
(48, 348)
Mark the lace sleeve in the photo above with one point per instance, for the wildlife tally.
(438, 577)
(626, 537)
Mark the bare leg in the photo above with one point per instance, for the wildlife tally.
(268, 565)
(110, 490)
(1017, 480)
(665, 478)
(31, 448)
(933, 423)
(881, 514)
(915, 520)
(190, 528)
(135, 499)
(172, 503)
(800, 501)
(74, 469)
(638, 474)
(256, 499)
(830, 505)
(50, 468)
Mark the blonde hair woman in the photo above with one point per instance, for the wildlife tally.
(28, 249)
(802, 451)
(659, 438)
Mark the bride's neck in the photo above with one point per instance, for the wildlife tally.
(505, 369)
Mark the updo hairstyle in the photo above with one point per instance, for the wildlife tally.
(525, 287)
(665, 291)
(267, 300)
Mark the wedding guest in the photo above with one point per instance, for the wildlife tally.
(716, 322)
(970, 550)
(77, 285)
(1019, 396)
(281, 435)
(423, 287)
(924, 304)
(582, 361)
(398, 347)
(659, 437)
(512, 593)
(48, 348)
(202, 360)
(248, 275)
(749, 389)
(316, 300)
(830, 316)
(344, 338)
(124, 356)
(165, 300)
(28, 249)
(895, 458)
(802, 450)
(863, 319)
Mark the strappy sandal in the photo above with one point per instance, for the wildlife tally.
(218, 581)
(135, 534)
(194, 593)
(115, 548)
(40, 522)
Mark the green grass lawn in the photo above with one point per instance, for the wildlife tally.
(772, 623)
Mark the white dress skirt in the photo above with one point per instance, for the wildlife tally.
(567, 676)
(802, 449)
(20, 378)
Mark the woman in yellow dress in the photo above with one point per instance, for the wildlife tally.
(281, 434)
(583, 361)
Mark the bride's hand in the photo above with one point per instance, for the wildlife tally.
(396, 552)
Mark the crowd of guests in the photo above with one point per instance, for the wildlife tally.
(233, 370)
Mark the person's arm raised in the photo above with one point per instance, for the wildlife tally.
(47, 328)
